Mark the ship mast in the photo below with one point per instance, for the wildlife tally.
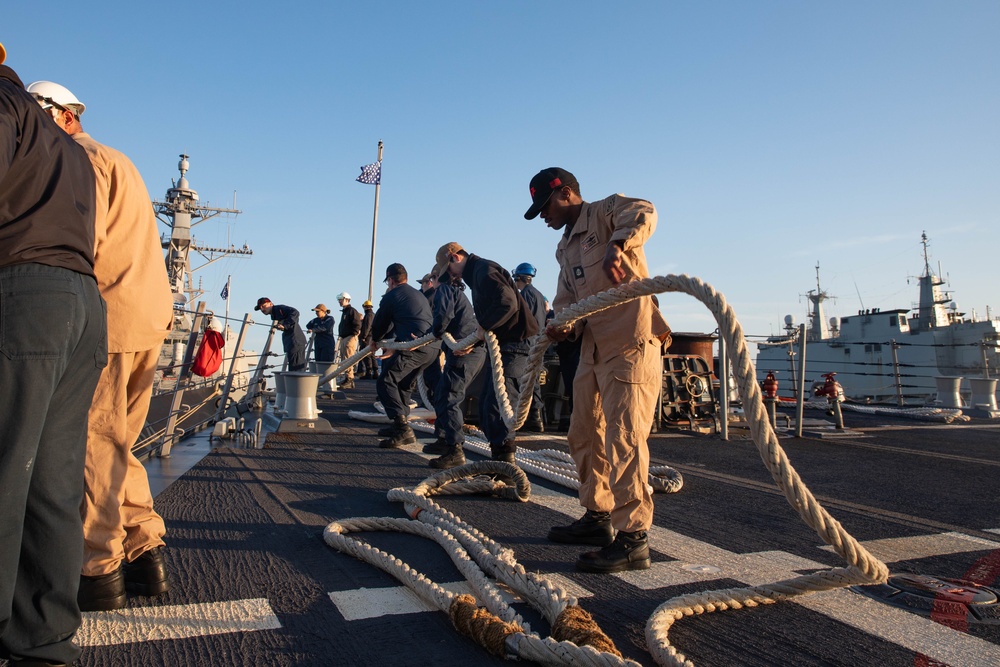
(931, 312)
(819, 329)
(181, 212)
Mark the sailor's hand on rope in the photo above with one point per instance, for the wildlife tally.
(558, 334)
(614, 267)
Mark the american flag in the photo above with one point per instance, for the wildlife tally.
(225, 290)
(371, 174)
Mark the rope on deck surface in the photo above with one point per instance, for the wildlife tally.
(862, 567)
(484, 563)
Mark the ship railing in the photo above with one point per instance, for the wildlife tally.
(159, 436)
(902, 386)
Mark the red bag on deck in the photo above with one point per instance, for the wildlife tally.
(208, 359)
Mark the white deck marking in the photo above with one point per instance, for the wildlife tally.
(127, 626)
(897, 626)
(895, 549)
(362, 603)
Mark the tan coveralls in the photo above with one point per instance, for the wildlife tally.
(617, 382)
(118, 517)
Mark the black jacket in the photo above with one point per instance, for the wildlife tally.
(498, 305)
(366, 327)
(47, 186)
(350, 322)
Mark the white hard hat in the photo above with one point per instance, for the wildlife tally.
(344, 295)
(49, 94)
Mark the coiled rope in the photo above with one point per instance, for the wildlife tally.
(862, 567)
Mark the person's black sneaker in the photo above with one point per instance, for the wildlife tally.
(439, 446)
(349, 384)
(629, 551)
(147, 574)
(593, 528)
(400, 435)
(506, 457)
(102, 593)
(455, 457)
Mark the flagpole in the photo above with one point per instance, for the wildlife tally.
(371, 266)
(229, 278)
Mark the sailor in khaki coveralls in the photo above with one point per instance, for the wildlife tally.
(617, 382)
(122, 532)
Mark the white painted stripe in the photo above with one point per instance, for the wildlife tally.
(127, 626)
(895, 549)
(362, 603)
(899, 627)
(992, 530)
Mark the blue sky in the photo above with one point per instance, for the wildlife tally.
(770, 135)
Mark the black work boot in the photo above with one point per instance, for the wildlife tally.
(505, 452)
(455, 457)
(629, 551)
(147, 574)
(592, 528)
(534, 423)
(400, 434)
(102, 593)
(439, 446)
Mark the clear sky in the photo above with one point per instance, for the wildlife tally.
(770, 135)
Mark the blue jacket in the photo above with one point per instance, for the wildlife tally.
(404, 312)
(453, 312)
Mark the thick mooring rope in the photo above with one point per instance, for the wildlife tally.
(862, 567)
(576, 639)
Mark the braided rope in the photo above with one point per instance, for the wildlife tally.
(862, 567)
(497, 626)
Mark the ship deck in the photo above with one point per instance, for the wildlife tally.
(253, 582)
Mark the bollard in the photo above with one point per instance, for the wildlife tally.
(772, 411)
(838, 414)
(300, 405)
(323, 368)
(947, 391)
(984, 393)
(279, 392)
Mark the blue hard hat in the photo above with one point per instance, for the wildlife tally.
(525, 269)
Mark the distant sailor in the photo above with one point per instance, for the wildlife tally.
(286, 320)
(350, 327)
(321, 327)
(523, 274)
(617, 382)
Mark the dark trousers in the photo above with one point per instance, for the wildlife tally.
(325, 349)
(295, 351)
(399, 374)
(514, 358)
(432, 375)
(53, 345)
(449, 395)
(368, 365)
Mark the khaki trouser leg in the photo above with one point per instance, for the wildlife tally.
(348, 348)
(612, 414)
(118, 517)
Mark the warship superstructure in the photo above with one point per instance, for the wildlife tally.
(889, 355)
